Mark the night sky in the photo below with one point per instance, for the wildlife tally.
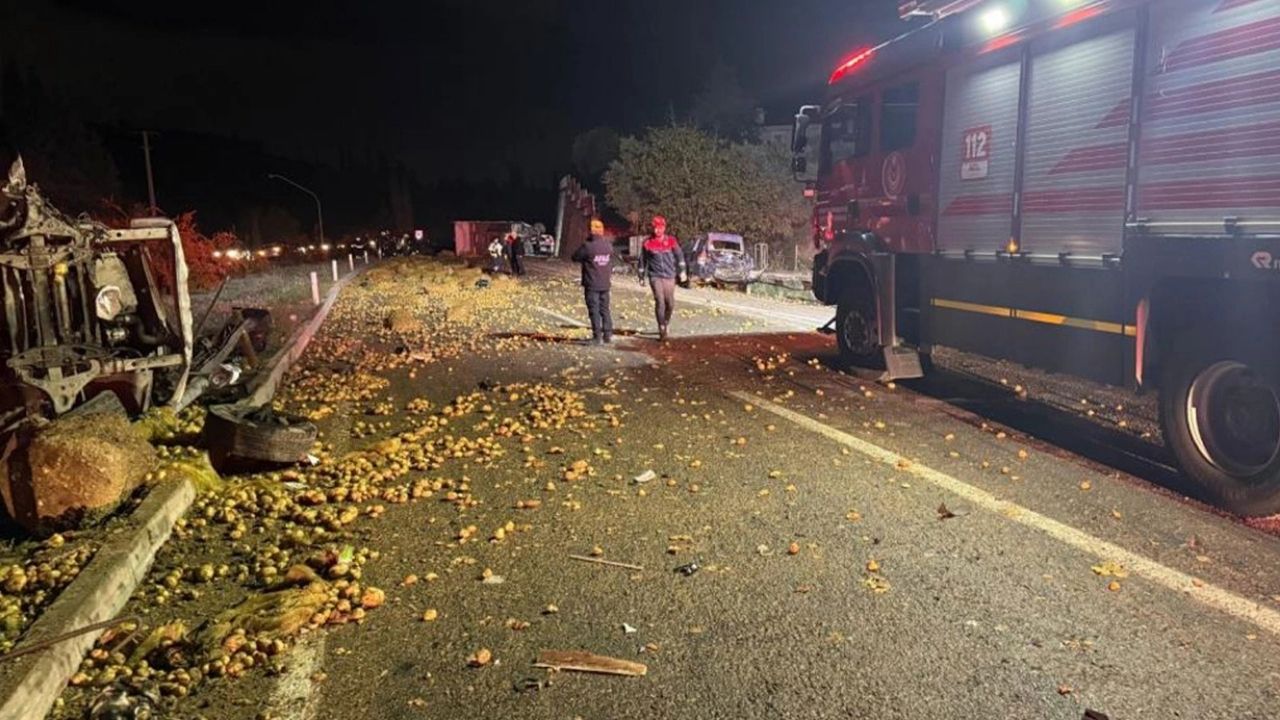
(453, 88)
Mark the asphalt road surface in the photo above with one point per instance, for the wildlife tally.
(864, 551)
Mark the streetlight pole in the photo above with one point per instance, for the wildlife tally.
(319, 212)
(151, 183)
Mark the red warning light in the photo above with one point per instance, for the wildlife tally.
(844, 68)
(1077, 16)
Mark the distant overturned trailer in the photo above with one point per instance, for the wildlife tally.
(471, 238)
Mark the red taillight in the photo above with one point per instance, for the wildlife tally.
(849, 65)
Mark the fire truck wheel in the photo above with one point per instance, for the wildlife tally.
(855, 329)
(1220, 414)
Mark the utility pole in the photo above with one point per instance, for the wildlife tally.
(151, 183)
(319, 212)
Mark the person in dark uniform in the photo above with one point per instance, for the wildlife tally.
(596, 258)
(662, 263)
(515, 254)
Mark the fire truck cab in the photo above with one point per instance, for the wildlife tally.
(1085, 186)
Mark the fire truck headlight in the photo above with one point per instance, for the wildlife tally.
(995, 19)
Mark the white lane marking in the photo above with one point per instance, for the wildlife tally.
(1211, 595)
(295, 696)
(799, 321)
(562, 318)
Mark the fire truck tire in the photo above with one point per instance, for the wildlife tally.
(855, 328)
(1220, 415)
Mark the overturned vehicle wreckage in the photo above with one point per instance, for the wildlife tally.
(88, 309)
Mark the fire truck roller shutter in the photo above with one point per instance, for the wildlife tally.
(1073, 197)
(978, 156)
(1210, 145)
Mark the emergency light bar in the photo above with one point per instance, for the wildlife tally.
(847, 66)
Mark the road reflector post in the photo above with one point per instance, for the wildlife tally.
(315, 288)
(366, 257)
(351, 262)
(335, 271)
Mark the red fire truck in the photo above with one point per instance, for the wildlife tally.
(1088, 187)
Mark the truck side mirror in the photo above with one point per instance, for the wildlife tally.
(800, 139)
(800, 128)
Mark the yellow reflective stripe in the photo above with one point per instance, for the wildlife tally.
(973, 307)
(1038, 317)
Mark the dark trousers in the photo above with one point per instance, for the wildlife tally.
(517, 264)
(664, 299)
(601, 317)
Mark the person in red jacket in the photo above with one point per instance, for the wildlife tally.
(515, 254)
(662, 262)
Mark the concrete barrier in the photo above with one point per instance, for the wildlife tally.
(30, 684)
(265, 384)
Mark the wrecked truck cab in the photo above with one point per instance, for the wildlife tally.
(88, 309)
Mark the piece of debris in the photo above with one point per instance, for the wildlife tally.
(582, 661)
(493, 580)
(688, 569)
(944, 513)
(399, 321)
(118, 701)
(1095, 715)
(644, 477)
(248, 433)
(480, 658)
(602, 561)
(1110, 568)
(628, 630)
(278, 614)
(530, 684)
